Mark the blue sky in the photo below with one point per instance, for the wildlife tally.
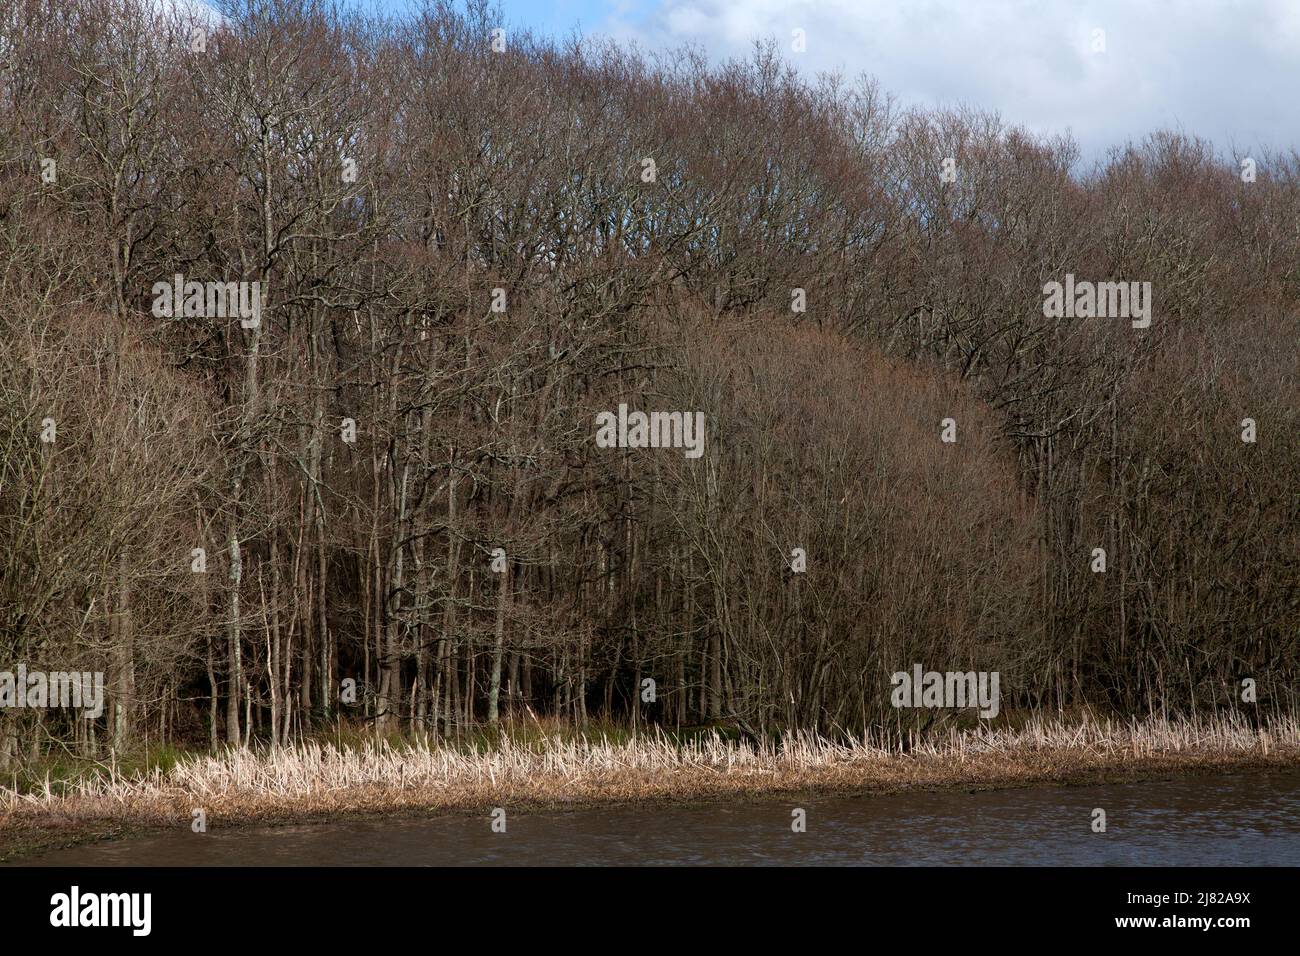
(553, 17)
(1225, 69)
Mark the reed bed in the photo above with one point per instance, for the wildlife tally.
(315, 780)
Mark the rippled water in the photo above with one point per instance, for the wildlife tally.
(1231, 820)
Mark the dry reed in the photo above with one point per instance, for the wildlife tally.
(314, 781)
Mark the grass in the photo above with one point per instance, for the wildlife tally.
(545, 767)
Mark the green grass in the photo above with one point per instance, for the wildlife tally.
(63, 769)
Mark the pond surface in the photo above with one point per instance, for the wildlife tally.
(1247, 819)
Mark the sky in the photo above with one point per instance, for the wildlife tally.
(1227, 70)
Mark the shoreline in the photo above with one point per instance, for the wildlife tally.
(316, 785)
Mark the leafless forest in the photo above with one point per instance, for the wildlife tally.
(184, 505)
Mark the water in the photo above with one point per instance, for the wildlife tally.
(1232, 820)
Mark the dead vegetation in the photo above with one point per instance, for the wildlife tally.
(318, 781)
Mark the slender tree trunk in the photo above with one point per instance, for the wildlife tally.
(124, 651)
(235, 669)
(498, 647)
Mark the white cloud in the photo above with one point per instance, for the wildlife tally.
(1224, 69)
